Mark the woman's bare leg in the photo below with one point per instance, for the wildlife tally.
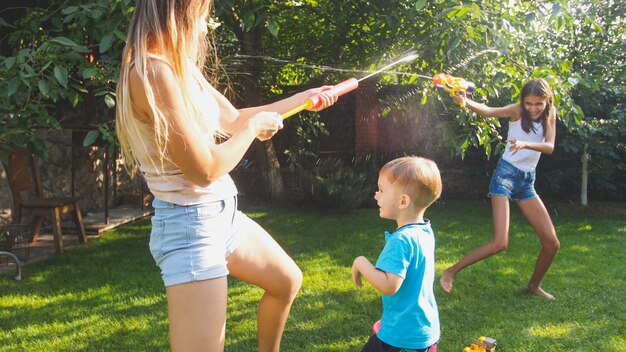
(259, 260)
(197, 315)
(538, 217)
(499, 242)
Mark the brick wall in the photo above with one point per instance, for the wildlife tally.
(366, 120)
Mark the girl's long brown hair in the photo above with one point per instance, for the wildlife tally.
(539, 88)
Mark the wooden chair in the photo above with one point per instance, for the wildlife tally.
(23, 174)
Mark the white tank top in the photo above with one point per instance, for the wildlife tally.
(524, 159)
(166, 181)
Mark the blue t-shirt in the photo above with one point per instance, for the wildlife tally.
(410, 316)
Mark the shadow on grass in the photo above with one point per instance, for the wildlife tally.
(114, 300)
(490, 298)
(117, 291)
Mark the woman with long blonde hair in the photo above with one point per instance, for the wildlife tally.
(168, 120)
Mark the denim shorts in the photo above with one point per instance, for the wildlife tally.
(507, 180)
(191, 243)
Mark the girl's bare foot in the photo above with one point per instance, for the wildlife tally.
(541, 293)
(446, 281)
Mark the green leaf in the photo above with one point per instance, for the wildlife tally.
(462, 12)
(108, 99)
(12, 86)
(4, 23)
(420, 4)
(63, 41)
(75, 100)
(81, 48)
(498, 78)
(573, 81)
(89, 72)
(29, 69)
(597, 27)
(105, 43)
(273, 27)
(566, 65)
(60, 73)
(530, 17)
(90, 138)
(96, 14)
(455, 42)
(9, 62)
(101, 92)
(44, 87)
(69, 10)
(120, 35)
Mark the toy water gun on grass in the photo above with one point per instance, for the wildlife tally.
(482, 344)
(453, 85)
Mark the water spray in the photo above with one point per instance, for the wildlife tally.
(341, 88)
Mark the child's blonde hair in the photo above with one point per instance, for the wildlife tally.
(172, 27)
(418, 177)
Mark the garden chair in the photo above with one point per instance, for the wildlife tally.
(13, 246)
(23, 174)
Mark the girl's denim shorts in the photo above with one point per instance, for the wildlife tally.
(191, 243)
(507, 180)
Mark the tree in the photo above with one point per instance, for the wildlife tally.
(62, 55)
(249, 21)
(497, 44)
(593, 52)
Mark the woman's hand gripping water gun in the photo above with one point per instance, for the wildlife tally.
(455, 86)
(326, 96)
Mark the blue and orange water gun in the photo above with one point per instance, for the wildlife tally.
(453, 85)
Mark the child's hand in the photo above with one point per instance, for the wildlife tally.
(515, 145)
(356, 273)
(356, 277)
(459, 99)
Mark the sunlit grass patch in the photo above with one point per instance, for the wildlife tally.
(108, 295)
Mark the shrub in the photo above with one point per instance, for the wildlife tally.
(342, 187)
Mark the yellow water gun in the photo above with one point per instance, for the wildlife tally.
(482, 344)
(453, 85)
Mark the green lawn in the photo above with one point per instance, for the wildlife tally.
(107, 295)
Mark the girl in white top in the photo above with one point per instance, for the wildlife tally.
(168, 119)
(532, 131)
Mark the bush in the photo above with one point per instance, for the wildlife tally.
(339, 186)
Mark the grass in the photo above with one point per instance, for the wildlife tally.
(107, 295)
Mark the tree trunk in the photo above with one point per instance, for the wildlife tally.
(251, 95)
(270, 169)
(585, 174)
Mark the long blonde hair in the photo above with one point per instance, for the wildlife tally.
(171, 27)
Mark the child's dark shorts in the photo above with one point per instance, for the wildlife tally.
(376, 345)
(507, 180)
